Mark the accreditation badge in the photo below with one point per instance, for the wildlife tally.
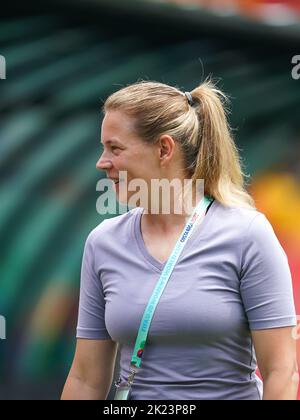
(123, 391)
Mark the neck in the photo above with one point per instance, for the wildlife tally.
(164, 223)
(175, 218)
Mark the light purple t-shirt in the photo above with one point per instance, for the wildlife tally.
(232, 277)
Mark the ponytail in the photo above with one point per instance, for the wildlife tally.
(218, 161)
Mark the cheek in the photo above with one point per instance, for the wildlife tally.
(146, 161)
(118, 162)
(126, 164)
(138, 164)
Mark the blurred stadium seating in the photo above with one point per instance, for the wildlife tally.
(276, 11)
(61, 65)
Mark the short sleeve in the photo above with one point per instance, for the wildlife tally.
(266, 283)
(91, 317)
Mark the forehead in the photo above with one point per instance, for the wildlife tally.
(116, 126)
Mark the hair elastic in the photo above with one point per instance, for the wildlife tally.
(189, 98)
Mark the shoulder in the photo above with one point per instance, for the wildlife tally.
(243, 228)
(249, 234)
(109, 228)
(254, 231)
(238, 218)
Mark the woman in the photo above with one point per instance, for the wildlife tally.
(229, 301)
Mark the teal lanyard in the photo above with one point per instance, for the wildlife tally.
(140, 343)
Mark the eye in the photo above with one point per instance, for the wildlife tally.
(113, 148)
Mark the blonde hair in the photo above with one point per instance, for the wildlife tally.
(202, 132)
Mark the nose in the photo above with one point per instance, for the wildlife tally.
(103, 163)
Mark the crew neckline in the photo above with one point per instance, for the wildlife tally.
(198, 234)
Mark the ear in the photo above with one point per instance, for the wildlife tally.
(166, 149)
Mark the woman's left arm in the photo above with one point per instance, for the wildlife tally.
(277, 361)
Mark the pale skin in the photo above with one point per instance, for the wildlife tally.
(91, 374)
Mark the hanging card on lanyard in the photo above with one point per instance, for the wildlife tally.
(123, 392)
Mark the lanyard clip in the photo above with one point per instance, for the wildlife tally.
(118, 382)
(133, 371)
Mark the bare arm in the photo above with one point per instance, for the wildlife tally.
(277, 362)
(91, 374)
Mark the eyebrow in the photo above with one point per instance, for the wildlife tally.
(111, 141)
